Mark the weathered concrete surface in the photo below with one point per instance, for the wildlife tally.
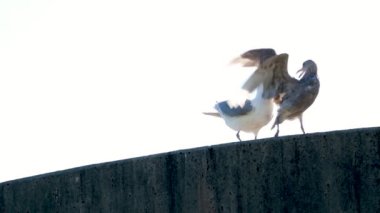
(322, 172)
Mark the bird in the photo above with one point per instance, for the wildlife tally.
(250, 117)
(300, 95)
(252, 114)
(291, 95)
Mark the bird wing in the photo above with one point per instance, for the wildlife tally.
(299, 99)
(261, 75)
(273, 73)
(280, 82)
(226, 109)
(254, 57)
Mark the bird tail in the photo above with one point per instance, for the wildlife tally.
(216, 114)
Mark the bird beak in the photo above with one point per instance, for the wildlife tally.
(301, 71)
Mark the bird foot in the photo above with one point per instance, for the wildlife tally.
(276, 135)
(238, 136)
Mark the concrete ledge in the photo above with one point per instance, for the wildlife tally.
(322, 172)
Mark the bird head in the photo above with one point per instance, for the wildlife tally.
(308, 67)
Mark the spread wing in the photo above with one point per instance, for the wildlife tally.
(273, 74)
(281, 80)
(254, 58)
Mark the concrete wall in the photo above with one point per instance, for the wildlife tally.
(323, 172)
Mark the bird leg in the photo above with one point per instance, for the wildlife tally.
(300, 118)
(278, 130)
(238, 135)
(276, 123)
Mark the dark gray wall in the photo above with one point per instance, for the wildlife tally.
(322, 172)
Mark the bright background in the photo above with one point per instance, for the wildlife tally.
(88, 81)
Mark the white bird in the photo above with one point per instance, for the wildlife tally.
(253, 114)
(251, 117)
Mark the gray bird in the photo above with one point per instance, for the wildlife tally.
(298, 96)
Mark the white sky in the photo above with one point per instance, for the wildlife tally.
(84, 81)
